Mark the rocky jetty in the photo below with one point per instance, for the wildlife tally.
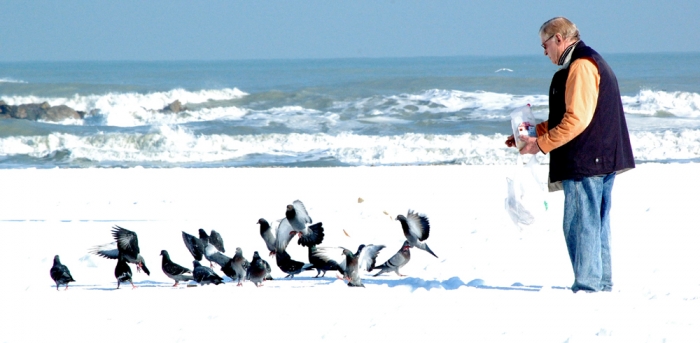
(46, 112)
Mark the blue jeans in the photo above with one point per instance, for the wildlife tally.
(587, 231)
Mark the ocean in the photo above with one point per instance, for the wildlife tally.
(322, 113)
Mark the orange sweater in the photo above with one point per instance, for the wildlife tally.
(582, 88)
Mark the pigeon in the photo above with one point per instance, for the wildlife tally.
(319, 264)
(268, 235)
(397, 261)
(416, 228)
(204, 275)
(60, 273)
(174, 270)
(239, 264)
(258, 271)
(295, 222)
(289, 266)
(123, 272)
(208, 246)
(126, 243)
(350, 264)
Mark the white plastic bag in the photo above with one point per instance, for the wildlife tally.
(526, 194)
(522, 122)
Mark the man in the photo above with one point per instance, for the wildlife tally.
(588, 142)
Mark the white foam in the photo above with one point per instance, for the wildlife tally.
(10, 80)
(661, 103)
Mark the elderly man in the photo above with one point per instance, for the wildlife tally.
(587, 139)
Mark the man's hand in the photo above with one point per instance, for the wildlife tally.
(530, 146)
(510, 142)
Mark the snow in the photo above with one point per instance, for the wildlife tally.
(492, 282)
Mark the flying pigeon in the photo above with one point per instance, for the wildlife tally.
(174, 270)
(126, 244)
(268, 235)
(60, 273)
(350, 264)
(258, 270)
(295, 222)
(397, 261)
(319, 264)
(123, 272)
(208, 246)
(204, 275)
(289, 266)
(416, 228)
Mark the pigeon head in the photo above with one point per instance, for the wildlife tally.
(256, 255)
(406, 246)
(359, 249)
(56, 260)
(347, 253)
(291, 213)
(203, 234)
(196, 263)
(239, 251)
(264, 225)
(164, 253)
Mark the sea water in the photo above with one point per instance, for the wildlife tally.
(333, 112)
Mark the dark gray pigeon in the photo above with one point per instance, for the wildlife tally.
(60, 273)
(268, 235)
(204, 275)
(397, 261)
(258, 270)
(351, 264)
(319, 264)
(126, 244)
(208, 246)
(123, 272)
(174, 270)
(295, 222)
(289, 266)
(416, 228)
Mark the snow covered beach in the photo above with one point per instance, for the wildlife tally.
(492, 281)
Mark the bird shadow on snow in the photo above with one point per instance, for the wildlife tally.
(414, 283)
(113, 286)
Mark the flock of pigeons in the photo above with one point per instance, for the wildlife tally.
(297, 222)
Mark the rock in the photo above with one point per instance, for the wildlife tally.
(174, 107)
(61, 112)
(42, 111)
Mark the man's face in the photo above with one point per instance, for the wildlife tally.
(550, 46)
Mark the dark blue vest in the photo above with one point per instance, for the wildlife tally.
(604, 146)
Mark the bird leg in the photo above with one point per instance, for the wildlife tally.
(66, 288)
(138, 267)
(239, 284)
(176, 282)
(132, 285)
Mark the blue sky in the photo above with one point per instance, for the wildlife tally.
(39, 30)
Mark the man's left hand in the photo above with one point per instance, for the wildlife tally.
(530, 146)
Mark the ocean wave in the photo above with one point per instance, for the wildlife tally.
(10, 80)
(175, 144)
(663, 104)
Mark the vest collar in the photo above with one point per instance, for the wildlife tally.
(565, 58)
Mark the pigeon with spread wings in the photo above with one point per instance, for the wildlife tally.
(416, 228)
(126, 244)
(295, 222)
(208, 246)
(351, 264)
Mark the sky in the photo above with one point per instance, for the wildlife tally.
(100, 30)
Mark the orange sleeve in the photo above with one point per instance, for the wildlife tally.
(582, 87)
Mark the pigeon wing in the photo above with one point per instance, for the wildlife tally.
(418, 225)
(127, 241)
(302, 215)
(194, 245)
(108, 250)
(216, 240)
(368, 256)
(332, 254)
(284, 236)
